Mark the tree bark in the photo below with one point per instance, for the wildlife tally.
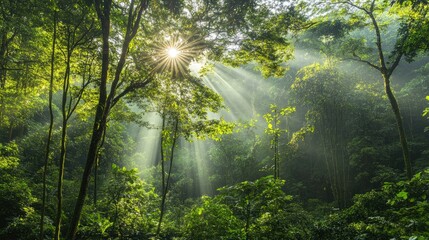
(63, 144)
(67, 109)
(51, 124)
(167, 183)
(400, 125)
(103, 13)
(105, 101)
(386, 72)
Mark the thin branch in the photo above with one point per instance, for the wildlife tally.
(359, 59)
(353, 5)
(378, 43)
(143, 7)
(98, 9)
(130, 88)
(80, 40)
(129, 35)
(394, 64)
(79, 97)
(73, 32)
(401, 52)
(130, 19)
(372, 6)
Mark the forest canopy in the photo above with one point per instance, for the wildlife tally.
(204, 119)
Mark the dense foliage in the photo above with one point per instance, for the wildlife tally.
(180, 119)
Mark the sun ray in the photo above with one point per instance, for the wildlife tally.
(176, 53)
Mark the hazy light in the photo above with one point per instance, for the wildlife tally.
(173, 52)
(195, 67)
(237, 98)
(241, 89)
(148, 141)
(198, 150)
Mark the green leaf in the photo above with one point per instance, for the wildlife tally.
(403, 195)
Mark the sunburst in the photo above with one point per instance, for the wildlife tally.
(173, 52)
(176, 53)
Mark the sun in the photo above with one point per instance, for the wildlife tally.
(173, 52)
(176, 53)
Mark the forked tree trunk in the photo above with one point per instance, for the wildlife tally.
(99, 120)
(167, 182)
(105, 101)
(386, 71)
(63, 144)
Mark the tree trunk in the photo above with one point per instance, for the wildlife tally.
(100, 119)
(61, 180)
(51, 124)
(167, 183)
(400, 125)
(162, 156)
(386, 72)
(99, 125)
(97, 162)
(63, 144)
(3, 50)
(105, 101)
(103, 13)
(276, 146)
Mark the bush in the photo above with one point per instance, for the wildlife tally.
(397, 211)
(211, 220)
(18, 219)
(248, 210)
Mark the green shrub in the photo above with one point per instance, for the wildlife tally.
(397, 211)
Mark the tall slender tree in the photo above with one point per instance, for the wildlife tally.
(113, 89)
(51, 124)
(106, 100)
(77, 31)
(408, 43)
